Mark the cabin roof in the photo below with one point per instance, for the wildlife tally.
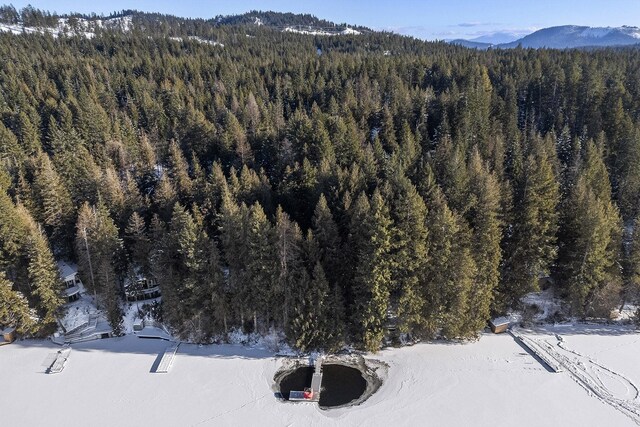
(67, 269)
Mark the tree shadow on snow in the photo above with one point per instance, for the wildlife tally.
(131, 344)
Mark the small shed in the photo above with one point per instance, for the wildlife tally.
(138, 325)
(9, 335)
(499, 325)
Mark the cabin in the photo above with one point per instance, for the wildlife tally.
(72, 283)
(142, 288)
(499, 325)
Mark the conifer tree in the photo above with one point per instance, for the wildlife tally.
(164, 198)
(289, 251)
(327, 237)
(371, 242)
(408, 253)
(44, 278)
(450, 273)
(261, 265)
(531, 241)
(484, 217)
(14, 309)
(588, 253)
(138, 243)
(311, 325)
(97, 250)
(178, 171)
(54, 202)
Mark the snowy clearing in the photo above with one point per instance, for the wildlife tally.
(493, 382)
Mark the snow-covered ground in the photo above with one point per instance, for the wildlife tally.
(198, 39)
(77, 26)
(492, 382)
(319, 31)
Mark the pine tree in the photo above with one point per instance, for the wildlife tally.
(408, 253)
(450, 273)
(290, 262)
(233, 238)
(14, 309)
(97, 250)
(484, 217)
(588, 254)
(54, 202)
(261, 266)
(178, 171)
(13, 231)
(531, 241)
(311, 325)
(181, 262)
(138, 243)
(327, 238)
(164, 198)
(43, 274)
(371, 242)
(631, 291)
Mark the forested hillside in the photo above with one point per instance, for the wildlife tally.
(324, 186)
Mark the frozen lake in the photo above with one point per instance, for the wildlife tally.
(492, 382)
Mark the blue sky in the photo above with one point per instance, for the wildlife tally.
(426, 19)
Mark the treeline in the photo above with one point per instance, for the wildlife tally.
(329, 196)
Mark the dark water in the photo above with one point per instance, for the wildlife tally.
(340, 384)
(296, 381)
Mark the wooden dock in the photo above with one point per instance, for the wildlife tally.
(539, 352)
(54, 363)
(316, 385)
(316, 380)
(167, 359)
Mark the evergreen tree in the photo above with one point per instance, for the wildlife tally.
(311, 325)
(531, 242)
(327, 238)
(14, 309)
(261, 266)
(450, 273)
(97, 250)
(55, 207)
(588, 253)
(631, 291)
(44, 277)
(408, 256)
(371, 243)
(138, 243)
(291, 279)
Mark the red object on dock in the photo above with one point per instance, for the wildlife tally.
(307, 394)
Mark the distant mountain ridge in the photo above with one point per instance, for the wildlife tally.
(30, 20)
(566, 37)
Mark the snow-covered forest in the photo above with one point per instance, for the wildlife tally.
(327, 187)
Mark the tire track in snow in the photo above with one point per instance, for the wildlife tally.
(584, 371)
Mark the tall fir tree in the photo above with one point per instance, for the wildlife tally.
(530, 246)
(44, 277)
(370, 287)
(14, 309)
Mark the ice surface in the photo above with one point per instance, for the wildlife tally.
(491, 382)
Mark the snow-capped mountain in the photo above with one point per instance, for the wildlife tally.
(497, 37)
(572, 36)
(564, 37)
